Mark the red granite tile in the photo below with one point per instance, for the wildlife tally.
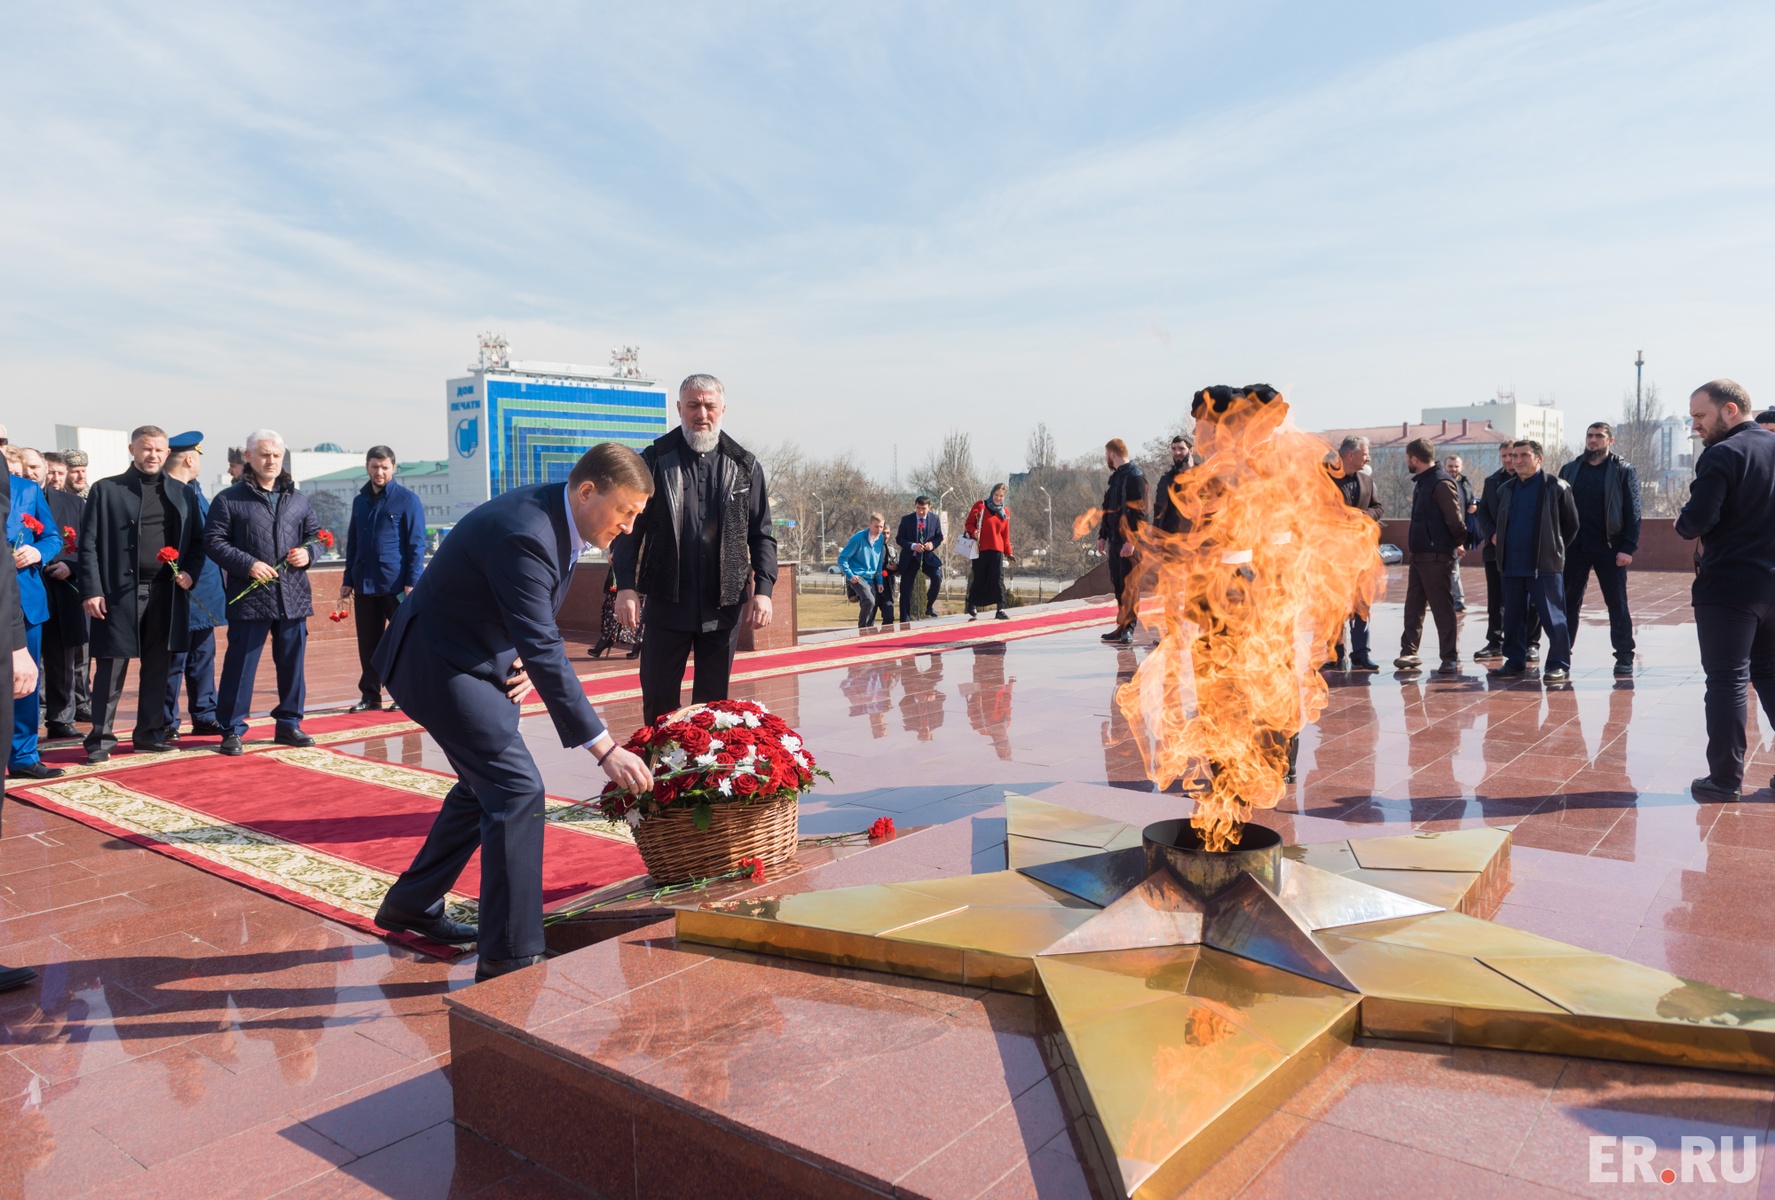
(42, 1154)
(1620, 1099)
(1565, 896)
(261, 1161)
(385, 1111)
(1052, 1173)
(209, 1103)
(498, 1081)
(441, 1161)
(1457, 1102)
(986, 1153)
(1583, 929)
(1728, 962)
(534, 1183)
(1328, 1162)
(680, 1154)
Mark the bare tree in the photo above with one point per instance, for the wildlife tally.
(1040, 453)
(950, 469)
(1636, 438)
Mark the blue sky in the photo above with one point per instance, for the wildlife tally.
(875, 221)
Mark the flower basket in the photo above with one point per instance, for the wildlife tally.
(727, 776)
(676, 851)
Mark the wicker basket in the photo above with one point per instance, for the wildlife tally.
(676, 851)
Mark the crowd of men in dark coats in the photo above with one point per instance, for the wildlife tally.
(143, 566)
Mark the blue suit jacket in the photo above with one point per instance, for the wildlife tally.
(28, 498)
(385, 542)
(489, 596)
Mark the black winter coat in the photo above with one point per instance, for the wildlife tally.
(65, 612)
(1124, 504)
(107, 556)
(241, 532)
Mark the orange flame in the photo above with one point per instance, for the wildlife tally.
(1085, 524)
(1255, 593)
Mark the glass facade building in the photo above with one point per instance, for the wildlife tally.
(510, 427)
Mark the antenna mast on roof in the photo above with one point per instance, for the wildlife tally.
(495, 354)
(625, 362)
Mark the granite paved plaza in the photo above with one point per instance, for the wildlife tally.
(193, 1037)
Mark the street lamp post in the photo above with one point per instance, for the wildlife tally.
(820, 555)
(1050, 500)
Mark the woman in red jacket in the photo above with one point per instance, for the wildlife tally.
(989, 523)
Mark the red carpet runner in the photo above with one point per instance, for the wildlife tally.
(330, 831)
(323, 830)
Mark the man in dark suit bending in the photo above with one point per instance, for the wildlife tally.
(474, 635)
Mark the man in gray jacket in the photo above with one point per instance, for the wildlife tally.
(1537, 521)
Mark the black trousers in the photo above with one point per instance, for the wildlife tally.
(61, 674)
(1494, 610)
(496, 807)
(1611, 580)
(1543, 594)
(663, 655)
(909, 569)
(1737, 651)
(1120, 568)
(154, 606)
(371, 615)
(1430, 585)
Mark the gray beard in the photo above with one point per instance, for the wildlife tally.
(702, 443)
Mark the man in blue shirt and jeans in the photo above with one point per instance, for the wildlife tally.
(384, 553)
(1537, 522)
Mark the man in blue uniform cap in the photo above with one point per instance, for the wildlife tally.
(194, 671)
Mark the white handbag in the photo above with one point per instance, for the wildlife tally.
(967, 547)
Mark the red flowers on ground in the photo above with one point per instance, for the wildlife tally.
(754, 867)
(882, 829)
(32, 523)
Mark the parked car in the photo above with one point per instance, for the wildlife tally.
(1391, 554)
(834, 570)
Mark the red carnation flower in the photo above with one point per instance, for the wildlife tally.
(745, 785)
(168, 554)
(753, 867)
(67, 537)
(882, 829)
(32, 523)
(325, 538)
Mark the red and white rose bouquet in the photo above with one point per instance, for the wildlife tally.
(724, 752)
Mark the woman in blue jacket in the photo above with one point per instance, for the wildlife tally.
(860, 561)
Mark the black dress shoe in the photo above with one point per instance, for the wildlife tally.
(1489, 650)
(36, 770)
(57, 731)
(15, 977)
(1364, 664)
(373, 706)
(493, 968)
(1705, 788)
(207, 729)
(292, 737)
(83, 715)
(172, 735)
(152, 747)
(1556, 675)
(230, 746)
(1506, 672)
(95, 757)
(1001, 615)
(438, 929)
(1624, 669)
(1449, 666)
(1336, 664)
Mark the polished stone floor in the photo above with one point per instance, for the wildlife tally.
(191, 1037)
